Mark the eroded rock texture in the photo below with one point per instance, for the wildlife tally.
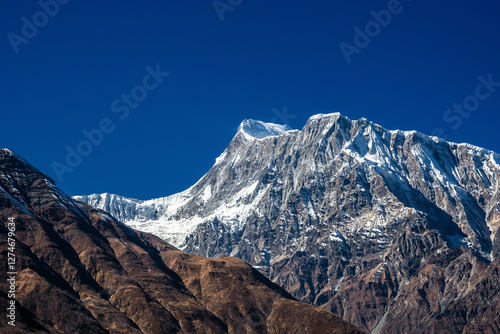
(81, 271)
(394, 231)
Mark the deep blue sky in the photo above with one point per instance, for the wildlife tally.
(263, 55)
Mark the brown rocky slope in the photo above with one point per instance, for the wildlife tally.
(81, 271)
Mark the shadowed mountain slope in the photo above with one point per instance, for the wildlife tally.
(81, 271)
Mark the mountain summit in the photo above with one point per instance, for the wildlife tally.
(259, 130)
(394, 231)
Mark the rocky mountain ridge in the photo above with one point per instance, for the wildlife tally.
(79, 270)
(395, 231)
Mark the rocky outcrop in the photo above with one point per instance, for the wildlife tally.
(81, 271)
(395, 231)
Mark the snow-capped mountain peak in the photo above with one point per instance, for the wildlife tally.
(259, 130)
(338, 203)
(328, 147)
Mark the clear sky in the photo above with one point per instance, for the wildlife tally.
(66, 72)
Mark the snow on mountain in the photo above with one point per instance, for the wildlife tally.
(322, 209)
(260, 130)
(158, 216)
(79, 270)
(367, 145)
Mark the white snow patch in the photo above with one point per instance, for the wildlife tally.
(207, 193)
(220, 158)
(258, 130)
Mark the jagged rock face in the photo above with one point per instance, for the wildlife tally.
(81, 271)
(394, 231)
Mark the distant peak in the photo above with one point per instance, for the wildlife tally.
(320, 116)
(259, 130)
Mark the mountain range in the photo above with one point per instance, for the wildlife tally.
(71, 268)
(393, 231)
